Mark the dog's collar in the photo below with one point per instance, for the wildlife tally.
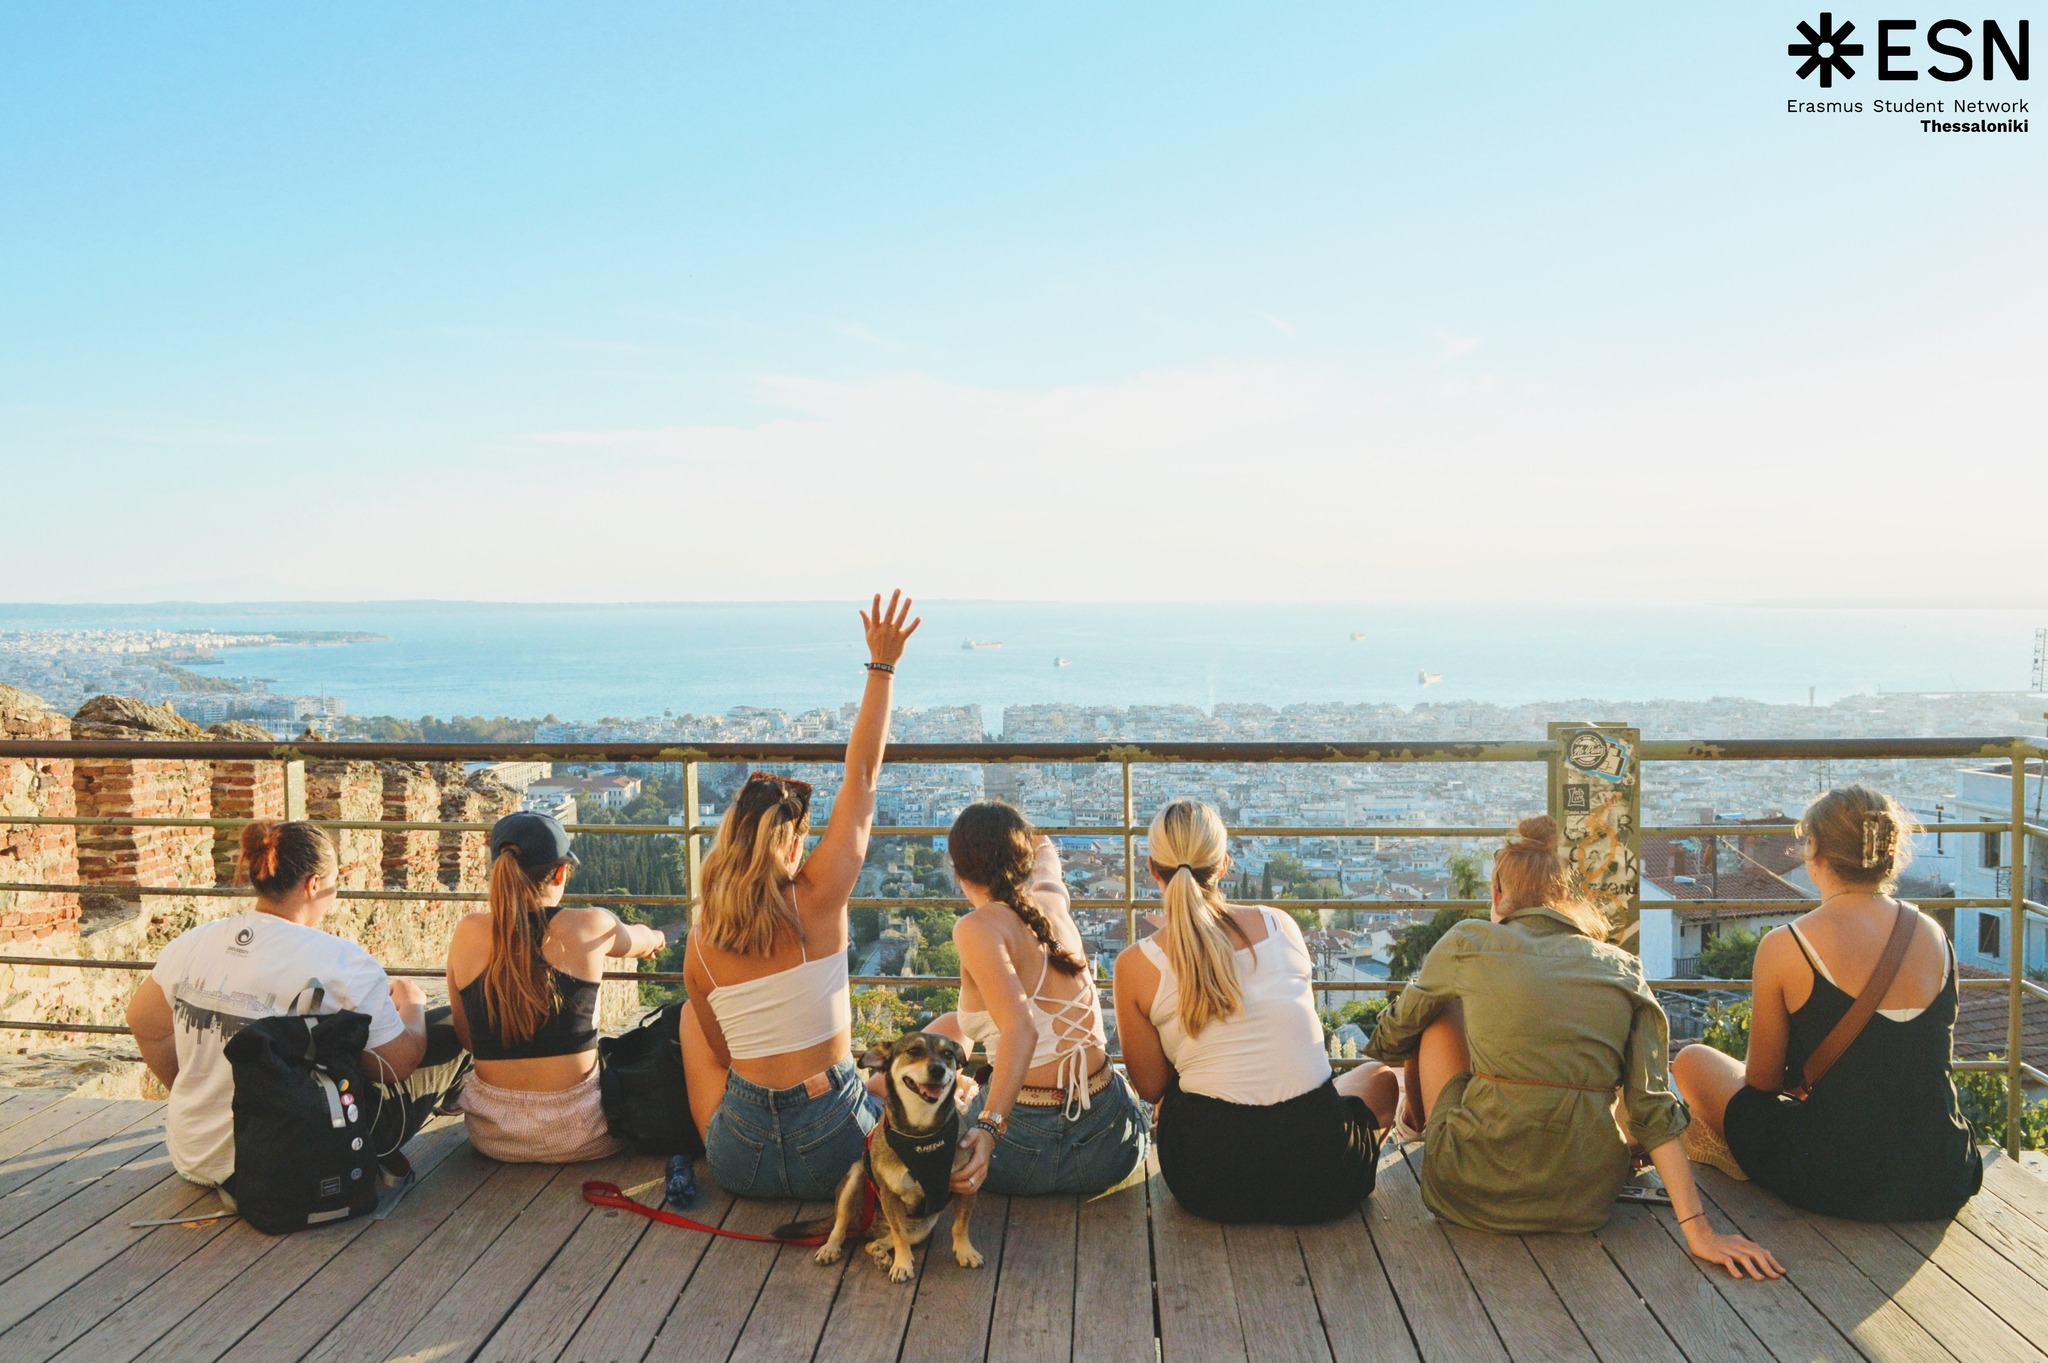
(929, 1158)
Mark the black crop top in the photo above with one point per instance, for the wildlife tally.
(570, 1030)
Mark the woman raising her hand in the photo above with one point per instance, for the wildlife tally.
(768, 1036)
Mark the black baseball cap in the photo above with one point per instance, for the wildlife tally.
(538, 840)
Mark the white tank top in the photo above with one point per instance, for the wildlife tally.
(787, 1011)
(1268, 1051)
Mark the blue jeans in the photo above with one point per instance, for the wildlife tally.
(1043, 1152)
(785, 1143)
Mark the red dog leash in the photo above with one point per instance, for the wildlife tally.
(601, 1194)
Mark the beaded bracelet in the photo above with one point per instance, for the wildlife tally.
(889, 668)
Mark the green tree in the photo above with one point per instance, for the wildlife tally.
(879, 1016)
(1727, 1029)
(1731, 955)
(1415, 941)
(1468, 878)
(1982, 1094)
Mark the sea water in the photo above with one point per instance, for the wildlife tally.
(588, 662)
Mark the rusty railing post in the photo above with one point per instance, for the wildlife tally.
(693, 846)
(2016, 956)
(1130, 859)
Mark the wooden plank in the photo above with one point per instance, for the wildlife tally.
(1978, 1269)
(1361, 1316)
(2024, 1192)
(24, 1245)
(1998, 1223)
(413, 1287)
(107, 1288)
(1445, 1318)
(1034, 1311)
(796, 1299)
(707, 1319)
(298, 1326)
(551, 1311)
(1615, 1321)
(1198, 1316)
(640, 1295)
(215, 1325)
(23, 1104)
(949, 1319)
(57, 1269)
(1852, 1303)
(129, 1133)
(134, 1328)
(1705, 1320)
(1112, 1278)
(38, 1142)
(1531, 1320)
(1962, 1324)
(868, 1318)
(461, 1321)
(1275, 1300)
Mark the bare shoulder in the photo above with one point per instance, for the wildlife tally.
(470, 927)
(1134, 959)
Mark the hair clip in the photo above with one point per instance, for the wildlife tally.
(1878, 836)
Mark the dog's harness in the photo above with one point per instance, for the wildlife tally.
(928, 1158)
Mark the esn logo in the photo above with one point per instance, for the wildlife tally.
(1827, 48)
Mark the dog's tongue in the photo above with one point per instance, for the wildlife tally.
(930, 1092)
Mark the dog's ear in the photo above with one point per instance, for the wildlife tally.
(875, 1058)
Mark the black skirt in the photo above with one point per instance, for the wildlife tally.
(1309, 1159)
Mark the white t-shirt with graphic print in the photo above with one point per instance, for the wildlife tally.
(223, 975)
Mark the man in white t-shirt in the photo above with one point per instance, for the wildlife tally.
(274, 961)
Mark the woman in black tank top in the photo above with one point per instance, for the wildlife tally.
(1881, 1136)
(524, 979)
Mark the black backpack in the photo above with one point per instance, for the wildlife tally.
(646, 1096)
(304, 1152)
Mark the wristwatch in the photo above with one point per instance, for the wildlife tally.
(995, 1123)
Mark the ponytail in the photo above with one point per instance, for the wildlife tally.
(991, 844)
(1188, 843)
(278, 857)
(519, 989)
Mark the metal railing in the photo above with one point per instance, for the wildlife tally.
(1127, 758)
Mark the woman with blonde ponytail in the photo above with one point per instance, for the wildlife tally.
(524, 978)
(1537, 1066)
(1218, 1022)
(768, 1036)
(1055, 1117)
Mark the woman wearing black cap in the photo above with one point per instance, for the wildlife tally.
(523, 979)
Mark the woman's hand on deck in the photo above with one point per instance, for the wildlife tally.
(1733, 1252)
(975, 1148)
(887, 630)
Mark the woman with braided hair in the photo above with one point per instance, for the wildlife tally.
(1880, 1135)
(1055, 1116)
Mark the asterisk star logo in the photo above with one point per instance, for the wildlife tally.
(1826, 51)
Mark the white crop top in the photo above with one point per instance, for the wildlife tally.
(1268, 1051)
(787, 1011)
(1066, 1028)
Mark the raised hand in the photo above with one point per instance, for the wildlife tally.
(886, 629)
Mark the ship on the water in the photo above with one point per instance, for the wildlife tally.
(1428, 678)
(970, 645)
(1357, 636)
(1062, 662)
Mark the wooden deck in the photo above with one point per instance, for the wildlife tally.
(502, 1262)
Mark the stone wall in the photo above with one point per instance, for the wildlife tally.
(242, 790)
(108, 925)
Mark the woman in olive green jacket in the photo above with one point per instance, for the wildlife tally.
(1518, 1033)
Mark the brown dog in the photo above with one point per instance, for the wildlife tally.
(910, 1157)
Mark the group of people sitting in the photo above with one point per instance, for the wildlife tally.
(1528, 1057)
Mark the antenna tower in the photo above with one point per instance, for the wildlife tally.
(2040, 661)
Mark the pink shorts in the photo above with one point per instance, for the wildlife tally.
(522, 1127)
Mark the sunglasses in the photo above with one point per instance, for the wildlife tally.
(764, 789)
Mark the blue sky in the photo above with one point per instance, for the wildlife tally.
(686, 301)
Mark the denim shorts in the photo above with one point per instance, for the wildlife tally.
(1042, 1152)
(785, 1143)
